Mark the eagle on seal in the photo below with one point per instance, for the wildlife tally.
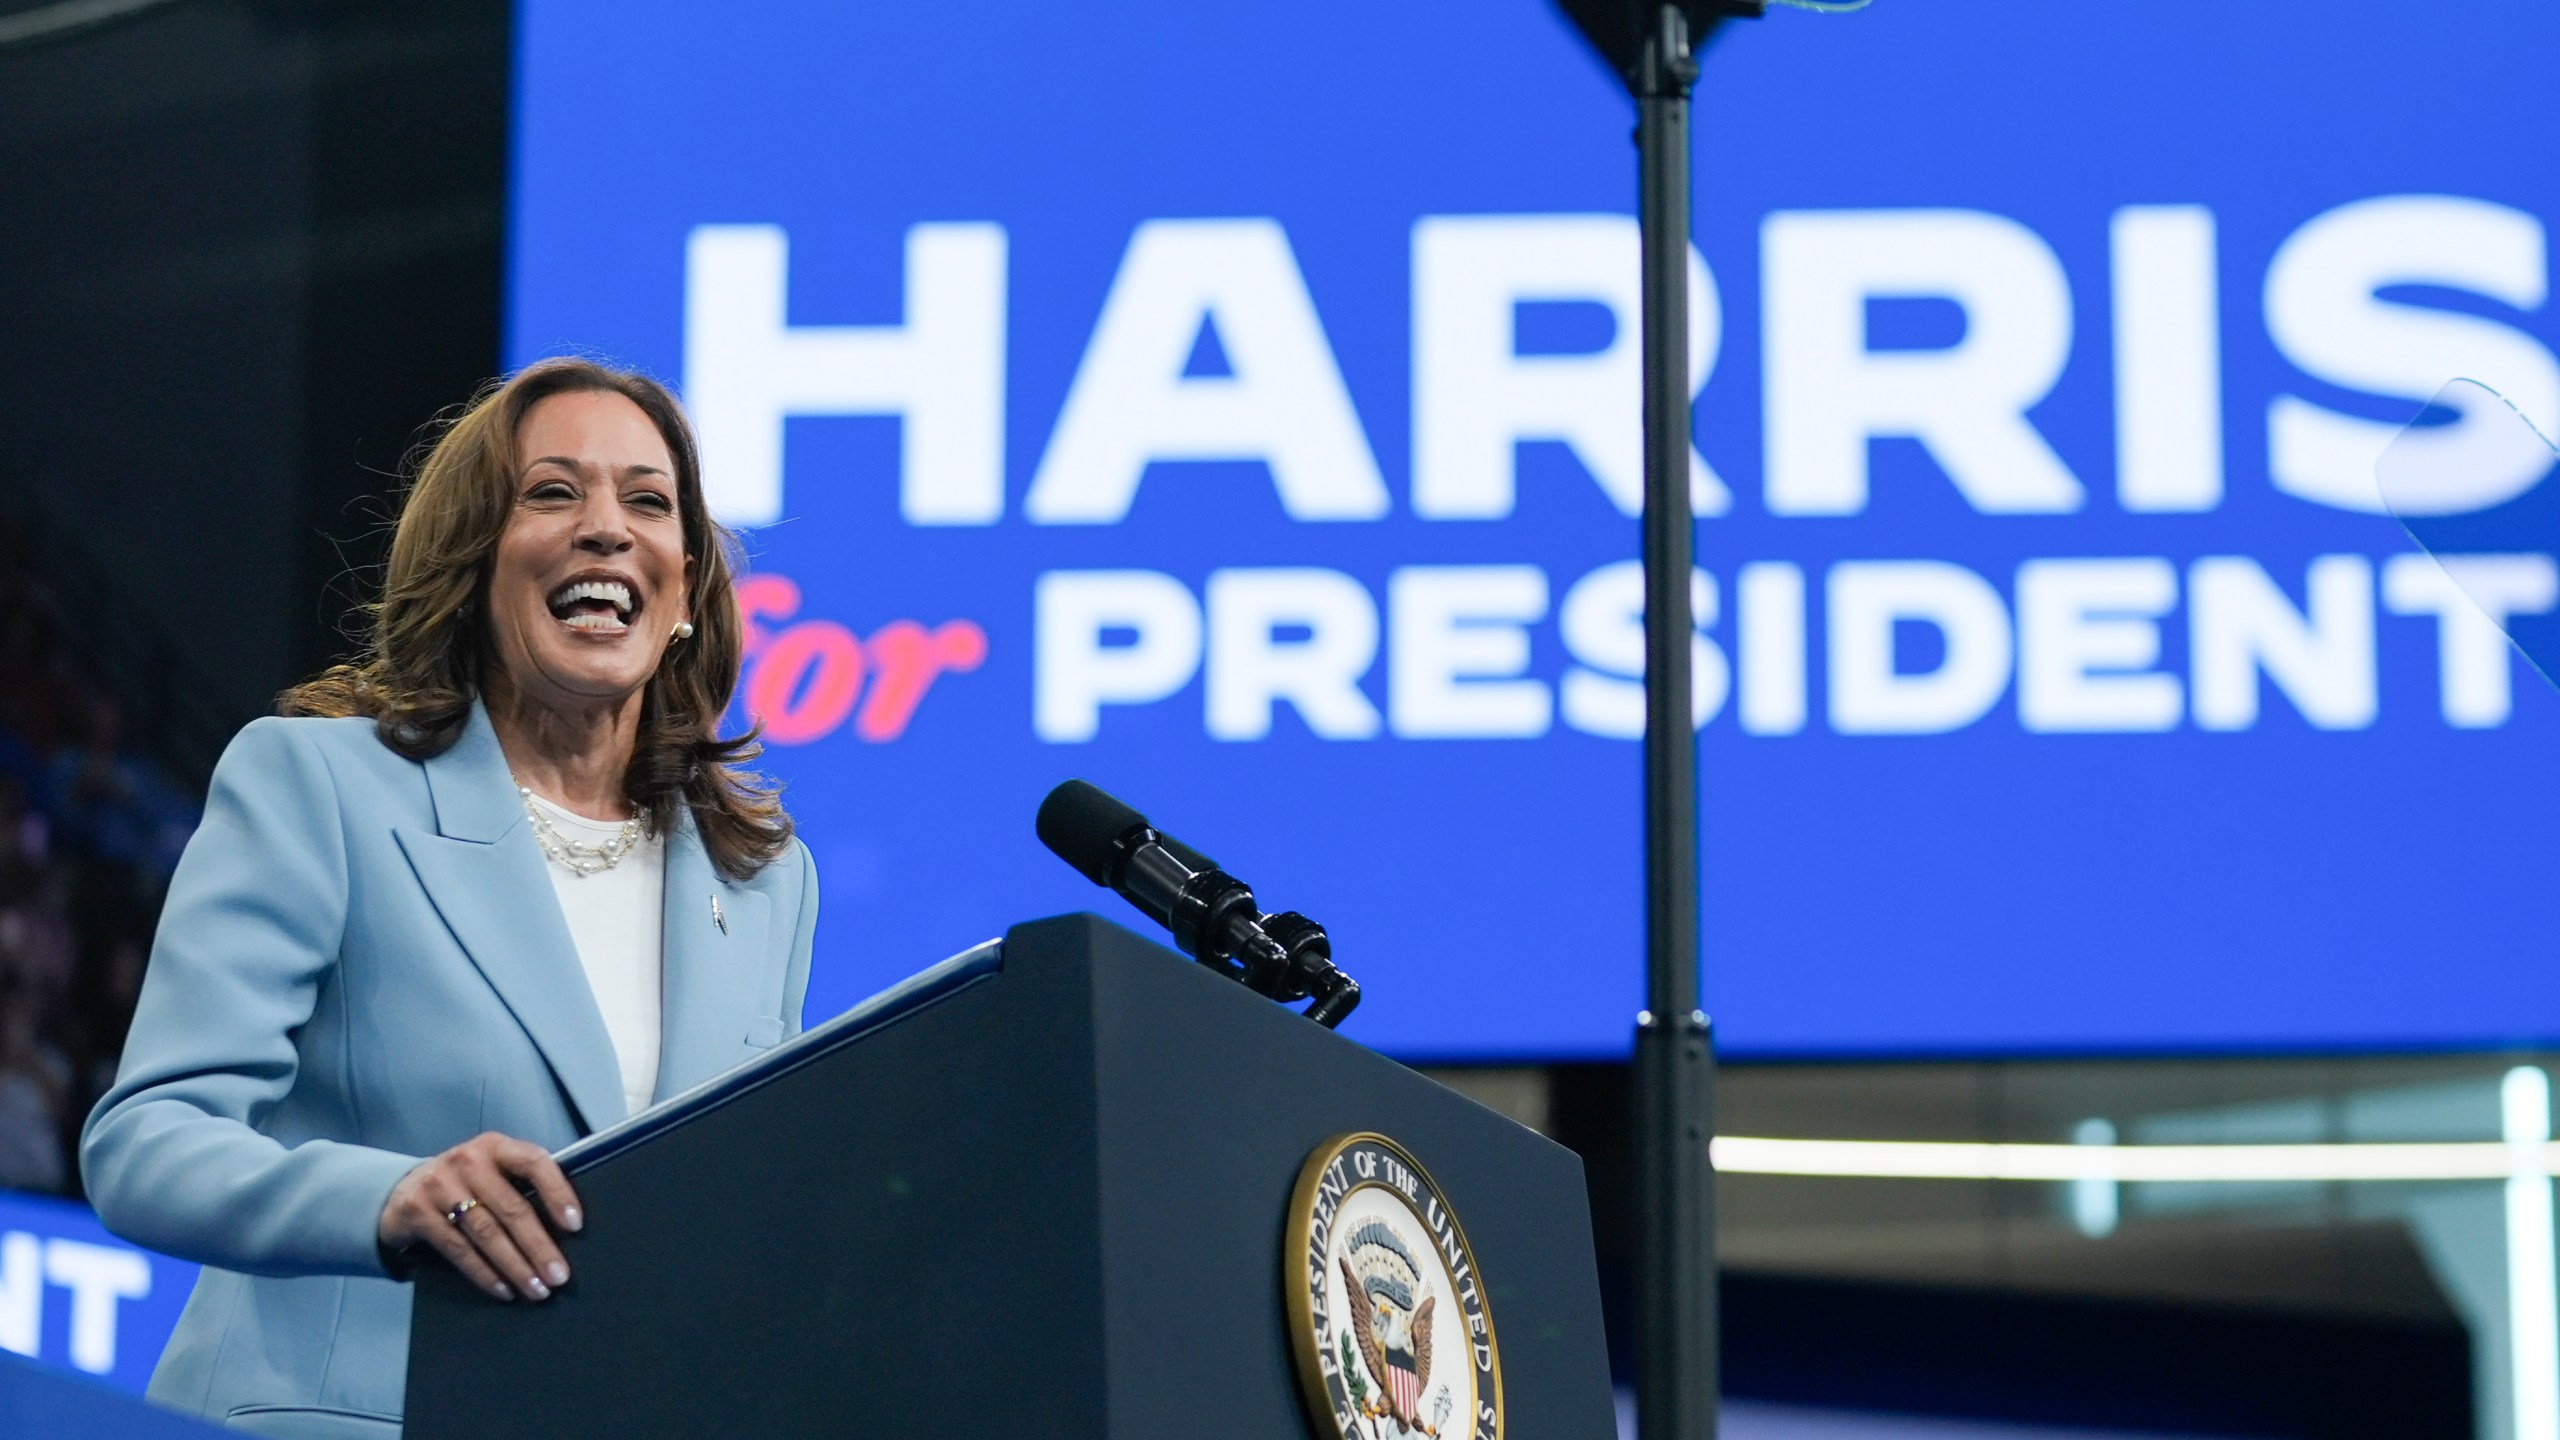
(1379, 1276)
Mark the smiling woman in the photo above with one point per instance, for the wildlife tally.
(495, 885)
(503, 516)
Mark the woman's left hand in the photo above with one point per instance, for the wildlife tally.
(467, 1204)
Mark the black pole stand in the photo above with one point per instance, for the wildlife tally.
(1675, 1050)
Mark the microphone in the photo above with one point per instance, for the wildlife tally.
(1211, 913)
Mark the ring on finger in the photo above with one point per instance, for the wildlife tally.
(468, 1204)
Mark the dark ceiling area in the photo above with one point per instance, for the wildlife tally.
(248, 250)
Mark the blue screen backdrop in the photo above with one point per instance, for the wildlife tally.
(1233, 405)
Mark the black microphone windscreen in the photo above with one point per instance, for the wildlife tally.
(1083, 824)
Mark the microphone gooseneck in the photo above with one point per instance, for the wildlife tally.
(1211, 913)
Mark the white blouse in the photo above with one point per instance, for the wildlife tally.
(617, 917)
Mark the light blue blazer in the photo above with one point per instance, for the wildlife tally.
(361, 963)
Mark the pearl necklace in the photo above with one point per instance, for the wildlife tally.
(576, 856)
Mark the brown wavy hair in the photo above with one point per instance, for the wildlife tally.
(427, 658)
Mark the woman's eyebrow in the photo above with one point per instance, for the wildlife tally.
(566, 463)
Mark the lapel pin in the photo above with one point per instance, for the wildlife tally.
(718, 916)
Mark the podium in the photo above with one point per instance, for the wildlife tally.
(1042, 1189)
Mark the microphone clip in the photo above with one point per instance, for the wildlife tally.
(1214, 919)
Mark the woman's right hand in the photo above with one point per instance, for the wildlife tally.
(497, 1240)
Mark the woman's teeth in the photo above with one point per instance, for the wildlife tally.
(611, 592)
(603, 605)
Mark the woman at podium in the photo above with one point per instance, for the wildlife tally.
(496, 885)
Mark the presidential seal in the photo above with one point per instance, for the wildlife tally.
(1386, 1310)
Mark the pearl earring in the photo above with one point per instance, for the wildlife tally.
(684, 629)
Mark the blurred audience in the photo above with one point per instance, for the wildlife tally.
(89, 831)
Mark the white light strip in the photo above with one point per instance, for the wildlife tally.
(1968, 1160)
(2533, 1304)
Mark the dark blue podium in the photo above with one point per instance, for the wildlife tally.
(1039, 1190)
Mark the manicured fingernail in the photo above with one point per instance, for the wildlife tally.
(501, 1291)
(559, 1273)
(534, 1287)
(571, 1218)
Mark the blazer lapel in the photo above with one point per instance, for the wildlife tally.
(715, 986)
(490, 882)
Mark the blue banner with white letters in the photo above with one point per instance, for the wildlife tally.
(76, 1297)
(1236, 406)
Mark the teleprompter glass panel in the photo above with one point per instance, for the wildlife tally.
(2470, 481)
